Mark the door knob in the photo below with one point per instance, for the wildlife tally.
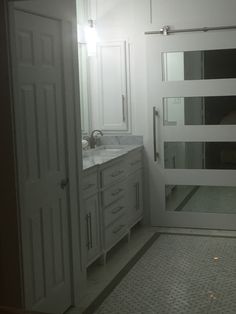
(64, 183)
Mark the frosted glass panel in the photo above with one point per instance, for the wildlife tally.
(200, 155)
(199, 65)
(207, 199)
(179, 111)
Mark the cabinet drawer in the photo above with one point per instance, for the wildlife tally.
(114, 211)
(112, 194)
(90, 184)
(134, 161)
(113, 173)
(115, 231)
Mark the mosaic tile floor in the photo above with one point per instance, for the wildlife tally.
(179, 274)
(208, 199)
(212, 199)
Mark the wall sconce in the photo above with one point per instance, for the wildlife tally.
(91, 38)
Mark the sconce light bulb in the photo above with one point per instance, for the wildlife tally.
(91, 38)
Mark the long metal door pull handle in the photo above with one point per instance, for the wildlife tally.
(90, 229)
(137, 195)
(155, 114)
(123, 107)
(87, 230)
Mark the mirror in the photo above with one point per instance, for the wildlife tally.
(200, 155)
(82, 23)
(206, 199)
(83, 86)
(181, 111)
(199, 65)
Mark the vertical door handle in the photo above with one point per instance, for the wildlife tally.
(88, 234)
(155, 115)
(137, 195)
(90, 230)
(123, 107)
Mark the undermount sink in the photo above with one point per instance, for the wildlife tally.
(108, 150)
(102, 152)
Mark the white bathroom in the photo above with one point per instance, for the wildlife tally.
(122, 117)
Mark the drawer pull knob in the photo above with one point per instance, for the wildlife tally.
(117, 192)
(88, 186)
(135, 162)
(117, 210)
(117, 173)
(64, 183)
(118, 229)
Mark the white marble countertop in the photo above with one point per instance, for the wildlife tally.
(102, 154)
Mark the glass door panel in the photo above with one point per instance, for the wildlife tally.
(200, 155)
(199, 65)
(211, 110)
(202, 199)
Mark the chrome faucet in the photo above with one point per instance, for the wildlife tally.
(92, 139)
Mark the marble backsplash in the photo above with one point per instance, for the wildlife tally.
(120, 140)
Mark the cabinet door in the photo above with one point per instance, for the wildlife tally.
(135, 197)
(112, 84)
(92, 228)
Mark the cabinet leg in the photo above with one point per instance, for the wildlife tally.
(103, 259)
(129, 236)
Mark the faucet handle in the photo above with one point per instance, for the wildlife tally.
(94, 136)
(86, 138)
(96, 132)
(85, 144)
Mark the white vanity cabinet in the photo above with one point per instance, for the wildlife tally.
(113, 200)
(92, 214)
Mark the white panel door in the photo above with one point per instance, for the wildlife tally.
(112, 84)
(168, 134)
(40, 116)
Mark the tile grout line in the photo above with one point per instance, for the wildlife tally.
(197, 235)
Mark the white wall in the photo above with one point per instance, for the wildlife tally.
(193, 13)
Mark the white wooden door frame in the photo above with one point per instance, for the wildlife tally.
(62, 13)
(158, 175)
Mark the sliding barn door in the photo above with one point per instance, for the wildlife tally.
(192, 129)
